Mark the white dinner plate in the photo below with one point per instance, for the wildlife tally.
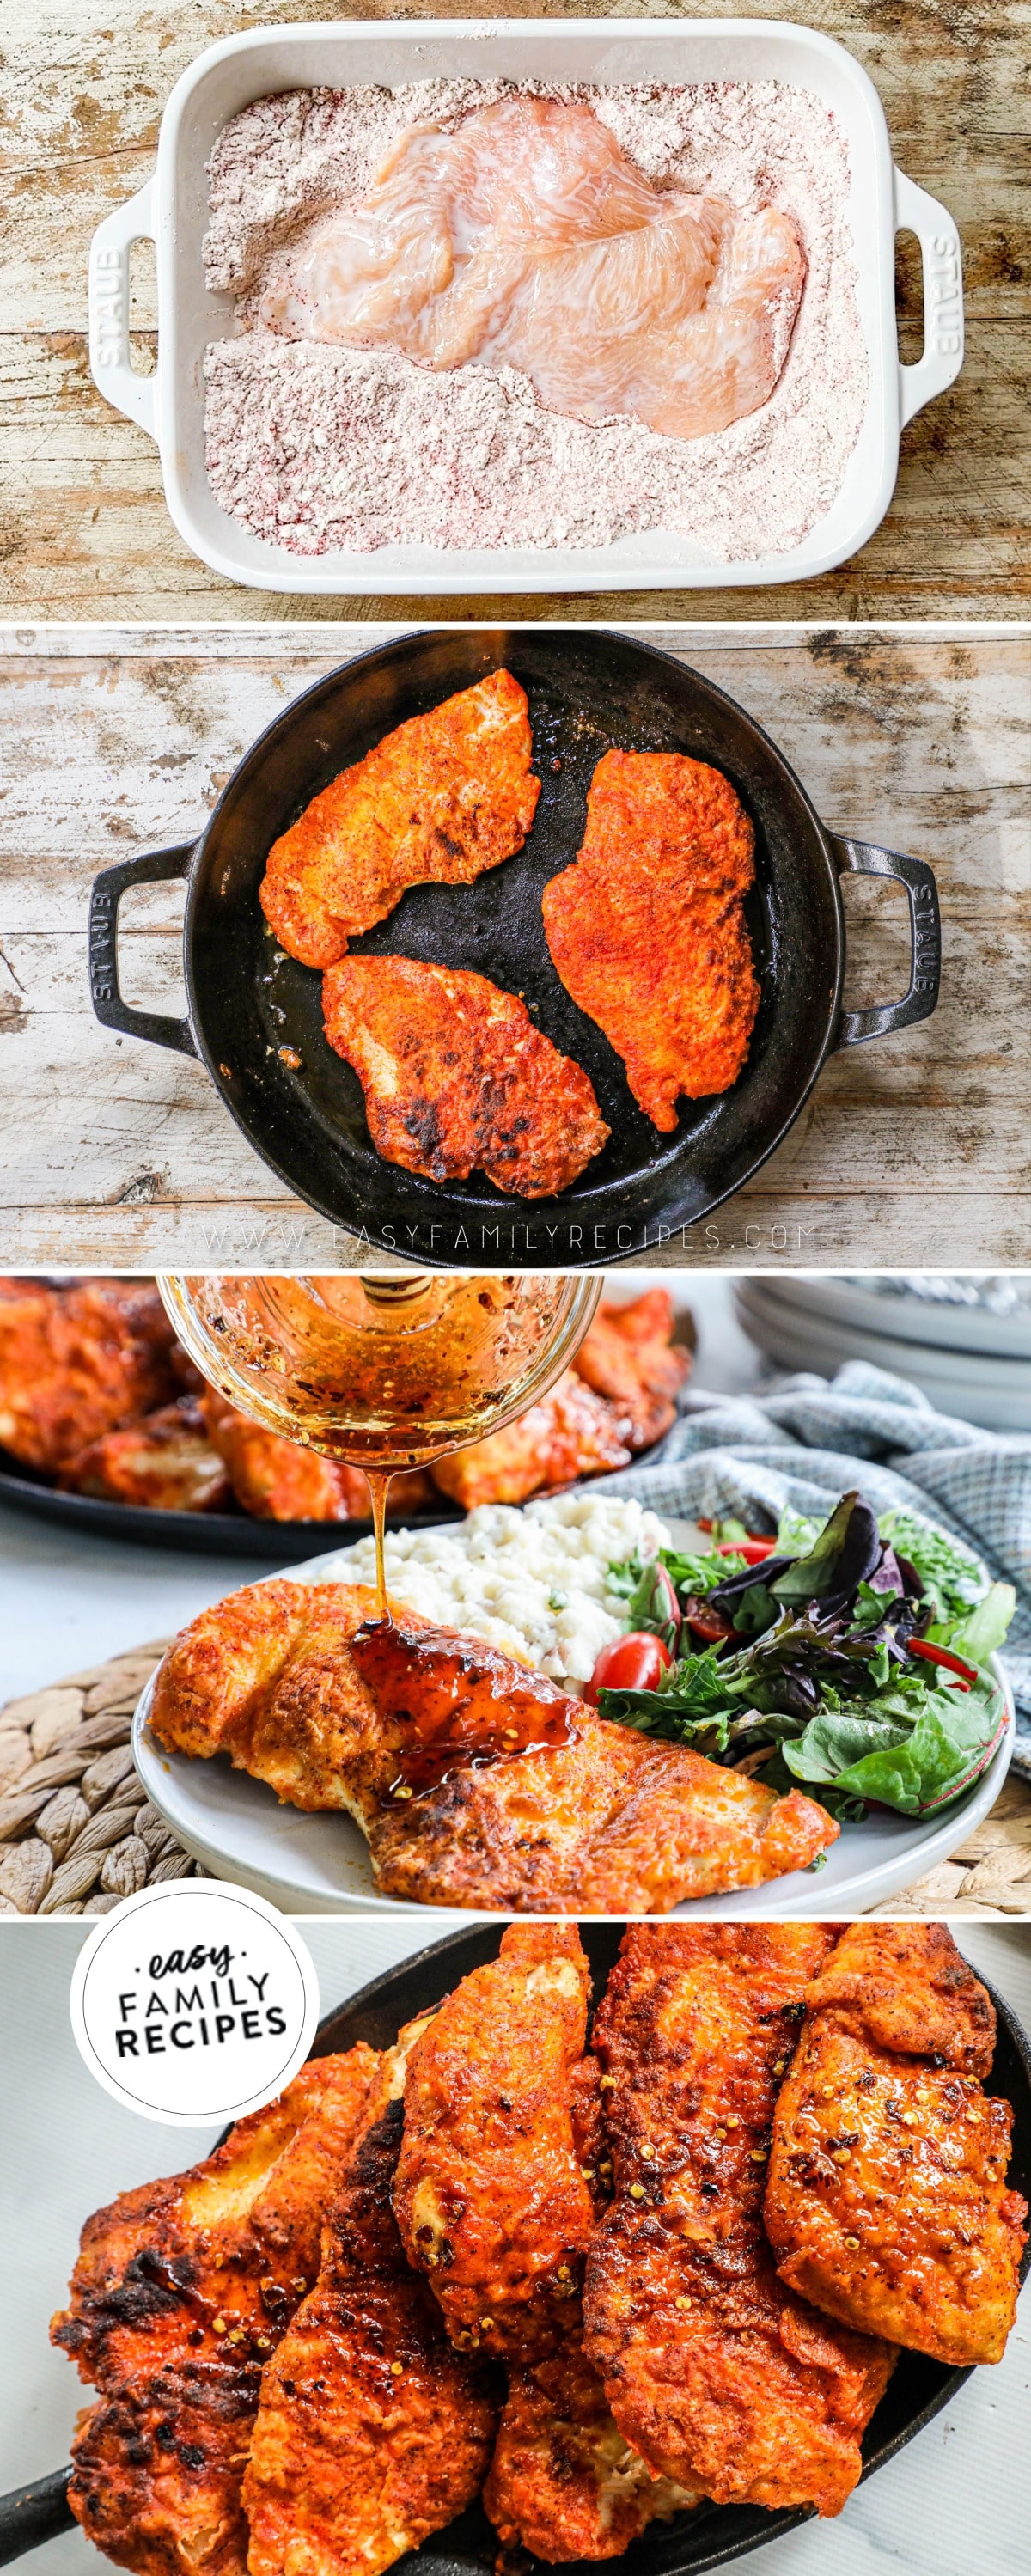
(320, 1864)
(992, 1390)
(893, 1311)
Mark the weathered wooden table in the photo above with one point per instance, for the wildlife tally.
(83, 527)
(912, 1150)
(77, 1835)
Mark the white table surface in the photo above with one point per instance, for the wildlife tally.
(68, 1601)
(952, 2505)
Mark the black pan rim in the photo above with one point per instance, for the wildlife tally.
(36, 2512)
(468, 1948)
(522, 1210)
(140, 1524)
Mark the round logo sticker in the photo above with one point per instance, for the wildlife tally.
(194, 2001)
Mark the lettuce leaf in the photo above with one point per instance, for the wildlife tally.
(834, 1741)
(844, 1555)
(693, 1689)
(861, 1754)
(983, 1629)
(952, 1578)
(796, 1533)
(634, 1583)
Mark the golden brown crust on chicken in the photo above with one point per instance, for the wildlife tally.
(181, 2290)
(438, 800)
(617, 1397)
(627, 1354)
(197, 1452)
(276, 1480)
(581, 1817)
(600, 1821)
(78, 1361)
(156, 2472)
(717, 2374)
(490, 2198)
(371, 2432)
(267, 1676)
(906, 1986)
(571, 1432)
(457, 1077)
(563, 2482)
(164, 1463)
(647, 928)
(590, 2135)
(886, 2202)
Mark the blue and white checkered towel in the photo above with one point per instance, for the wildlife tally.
(800, 1444)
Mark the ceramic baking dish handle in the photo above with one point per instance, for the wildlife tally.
(110, 362)
(916, 212)
(152, 867)
(859, 858)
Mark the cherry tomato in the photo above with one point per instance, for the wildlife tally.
(752, 1549)
(705, 1621)
(636, 1662)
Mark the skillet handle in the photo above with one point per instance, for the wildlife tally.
(860, 858)
(150, 868)
(30, 2515)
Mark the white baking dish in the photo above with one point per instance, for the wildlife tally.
(172, 211)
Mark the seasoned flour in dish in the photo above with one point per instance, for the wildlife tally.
(318, 447)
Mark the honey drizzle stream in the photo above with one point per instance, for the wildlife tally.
(378, 1485)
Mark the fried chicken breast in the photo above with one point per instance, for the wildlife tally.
(647, 929)
(181, 2290)
(440, 799)
(475, 1780)
(276, 1480)
(458, 1079)
(164, 1463)
(78, 1361)
(616, 1398)
(571, 1432)
(496, 2207)
(627, 1355)
(371, 2432)
(886, 2201)
(563, 2482)
(490, 2198)
(715, 2372)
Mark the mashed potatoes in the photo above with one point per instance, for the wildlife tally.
(534, 1582)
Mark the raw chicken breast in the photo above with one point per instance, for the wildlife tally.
(527, 239)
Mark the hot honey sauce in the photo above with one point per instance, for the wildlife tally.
(453, 1698)
(382, 1372)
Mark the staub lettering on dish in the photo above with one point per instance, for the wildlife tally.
(110, 305)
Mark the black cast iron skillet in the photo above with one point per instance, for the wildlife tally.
(589, 690)
(710, 2535)
(230, 1533)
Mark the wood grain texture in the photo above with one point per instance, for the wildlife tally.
(912, 1150)
(83, 527)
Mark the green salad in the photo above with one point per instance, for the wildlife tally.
(850, 1659)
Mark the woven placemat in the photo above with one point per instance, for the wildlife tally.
(77, 1833)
